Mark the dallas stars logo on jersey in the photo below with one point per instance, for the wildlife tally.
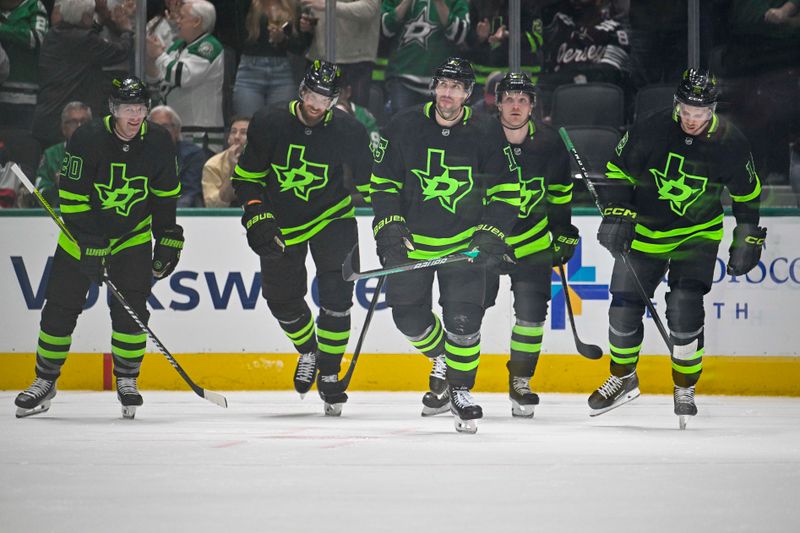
(677, 187)
(418, 30)
(122, 192)
(531, 193)
(300, 175)
(446, 183)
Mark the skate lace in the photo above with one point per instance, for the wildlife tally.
(39, 387)
(684, 395)
(462, 398)
(439, 369)
(612, 385)
(127, 386)
(521, 385)
(305, 366)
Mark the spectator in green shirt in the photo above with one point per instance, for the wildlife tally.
(73, 116)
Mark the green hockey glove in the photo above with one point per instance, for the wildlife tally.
(393, 240)
(617, 229)
(565, 240)
(745, 250)
(94, 255)
(167, 252)
(263, 232)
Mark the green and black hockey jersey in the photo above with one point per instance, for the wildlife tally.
(444, 181)
(674, 181)
(545, 190)
(298, 171)
(122, 191)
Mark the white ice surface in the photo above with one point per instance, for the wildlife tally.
(273, 463)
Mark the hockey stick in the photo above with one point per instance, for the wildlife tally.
(349, 272)
(211, 396)
(349, 374)
(636, 281)
(589, 351)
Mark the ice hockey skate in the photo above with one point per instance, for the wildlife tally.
(684, 404)
(437, 380)
(305, 372)
(464, 409)
(128, 395)
(613, 393)
(523, 401)
(331, 390)
(435, 404)
(35, 399)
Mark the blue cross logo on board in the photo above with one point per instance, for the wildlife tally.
(582, 287)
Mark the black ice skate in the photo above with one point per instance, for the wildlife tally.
(305, 372)
(128, 395)
(331, 390)
(36, 398)
(433, 404)
(437, 400)
(613, 393)
(684, 404)
(437, 381)
(466, 411)
(522, 399)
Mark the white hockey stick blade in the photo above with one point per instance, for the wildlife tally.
(215, 397)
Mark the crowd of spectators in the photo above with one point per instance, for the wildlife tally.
(212, 63)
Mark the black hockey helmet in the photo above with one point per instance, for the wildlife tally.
(697, 88)
(458, 69)
(129, 90)
(323, 78)
(515, 82)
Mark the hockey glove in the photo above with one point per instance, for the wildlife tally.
(263, 233)
(167, 252)
(565, 240)
(393, 240)
(94, 255)
(491, 245)
(617, 229)
(745, 250)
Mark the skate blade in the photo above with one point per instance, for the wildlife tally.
(302, 395)
(39, 409)
(465, 426)
(433, 411)
(632, 395)
(128, 411)
(683, 420)
(521, 411)
(333, 409)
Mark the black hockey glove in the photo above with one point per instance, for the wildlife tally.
(565, 240)
(263, 233)
(491, 245)
(94, 255)
(745, 250)
(167, 252)
(617, 229)
(393, 240)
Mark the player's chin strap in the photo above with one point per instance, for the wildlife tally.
(211, 396)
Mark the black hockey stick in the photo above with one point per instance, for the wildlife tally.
(349, 272)
(211, 396)
(349, 374)
(636, 281)
(589, 351)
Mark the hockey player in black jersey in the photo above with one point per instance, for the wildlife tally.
(442, 184)
(290, 180)
(543, 235)
(118, 190)
(662, 208)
